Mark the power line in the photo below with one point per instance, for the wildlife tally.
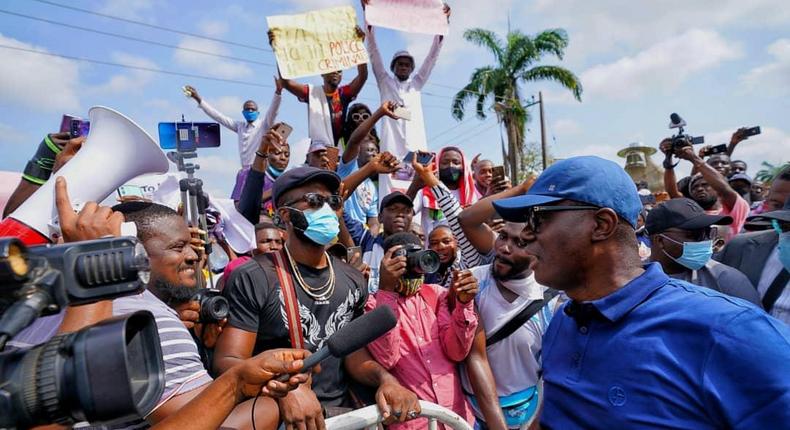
(132, 38)
(157, 27)
(162, 71)
(463, 133)
(133, 67)
(477, 134)
(453, 127)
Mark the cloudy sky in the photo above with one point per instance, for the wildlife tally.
(721, 64)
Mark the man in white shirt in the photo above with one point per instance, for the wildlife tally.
(508, 287)
(400, 136)
(250, 131)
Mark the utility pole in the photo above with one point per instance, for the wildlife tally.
(542, 130)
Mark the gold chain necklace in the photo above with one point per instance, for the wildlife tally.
(319, 294)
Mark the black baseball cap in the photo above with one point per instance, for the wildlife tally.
(396, 197)
(300, 176)
(681, 213)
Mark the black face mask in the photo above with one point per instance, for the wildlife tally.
(450, 175)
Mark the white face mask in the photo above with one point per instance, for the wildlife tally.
(520, 287)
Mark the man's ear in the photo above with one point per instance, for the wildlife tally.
(606, 222)
(282, 218)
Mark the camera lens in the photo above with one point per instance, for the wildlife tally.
(110, 372)
(422, 262)
(213, 307)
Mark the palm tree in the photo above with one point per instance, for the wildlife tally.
(770, 171)
(515, 63)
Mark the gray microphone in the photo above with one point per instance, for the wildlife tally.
(351, 337)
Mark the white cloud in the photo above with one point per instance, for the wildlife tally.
(131, 9)
(229, 105)
(134, 80)
(36, 81)
(663, 66)
(610, 26)
(207, 64)
(565, 127)
(772, 78)
(465, 14)
(213, 28)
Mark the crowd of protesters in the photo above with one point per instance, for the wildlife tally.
(565, 300)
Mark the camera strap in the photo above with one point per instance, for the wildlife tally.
(290, 300)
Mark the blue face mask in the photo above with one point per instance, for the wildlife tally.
(274, 171)
(783, 246)
(695, 254)
(250, 116)
(322, 225)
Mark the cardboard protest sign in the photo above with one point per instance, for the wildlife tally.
(413, 16)
(317, 42)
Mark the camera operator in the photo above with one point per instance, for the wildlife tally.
(708, 188)
(426, 328)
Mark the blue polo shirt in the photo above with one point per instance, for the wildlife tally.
(663, 353)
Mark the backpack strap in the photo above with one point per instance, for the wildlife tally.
(517, 321)
(291, 301)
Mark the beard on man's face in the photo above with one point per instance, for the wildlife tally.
(174, 294)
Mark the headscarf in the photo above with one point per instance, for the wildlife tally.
(466, 185)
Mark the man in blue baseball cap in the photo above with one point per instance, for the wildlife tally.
(634, 348)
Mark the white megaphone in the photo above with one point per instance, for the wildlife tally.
(115, 151)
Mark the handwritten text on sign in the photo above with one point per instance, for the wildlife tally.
(413, 16)
(317, 42)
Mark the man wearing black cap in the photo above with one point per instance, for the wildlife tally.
(680, 234)
(395, 215)
(634, 348)
(300, 296)
(765, 258)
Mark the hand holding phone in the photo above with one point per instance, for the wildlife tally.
(402, 113)
(333, 155)
(283, 129)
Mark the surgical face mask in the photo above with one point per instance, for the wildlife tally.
(783, 246)
(322, 224)
(275, 172)
(695, 254)
(250, 116)
(450, 175)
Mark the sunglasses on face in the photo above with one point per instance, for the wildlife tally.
(535, 213)
(360, 116)
(316, 201)
(696, 235)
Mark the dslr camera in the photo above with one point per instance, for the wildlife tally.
(681, 139)
(213, 307)
(110, 372)
(419, 261)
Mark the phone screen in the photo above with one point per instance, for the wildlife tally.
(423, 158)
(65, 123)
(187, 136)
(130, 190)
(497, 173)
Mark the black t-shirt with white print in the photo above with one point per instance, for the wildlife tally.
(253, 291)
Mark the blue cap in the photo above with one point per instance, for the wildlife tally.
(587, 179)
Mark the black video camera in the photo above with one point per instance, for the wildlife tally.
(681, 139)
(419, 261)
(213, 307)
(109, 372)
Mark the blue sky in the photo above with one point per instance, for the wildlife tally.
(721, 64)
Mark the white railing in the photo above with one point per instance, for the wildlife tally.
(369, 417)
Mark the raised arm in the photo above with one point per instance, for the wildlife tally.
(473, 218)
(727, 195)
(383, 163)
(291, 86)
(483, 383)
(214, 114)
(737, 137)
(379, 70)
(274, 107)
(422, 75)
(670, 180)
(363, 129)
(362, 71)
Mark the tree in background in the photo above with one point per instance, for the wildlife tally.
(770, 171)
(516, 60)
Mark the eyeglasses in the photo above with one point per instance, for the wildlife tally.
(534, 213)
(359, 117)
(316, 201)
(696, 235)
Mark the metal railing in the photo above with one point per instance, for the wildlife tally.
(369, 418)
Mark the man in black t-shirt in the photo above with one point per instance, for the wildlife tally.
(330, 294)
